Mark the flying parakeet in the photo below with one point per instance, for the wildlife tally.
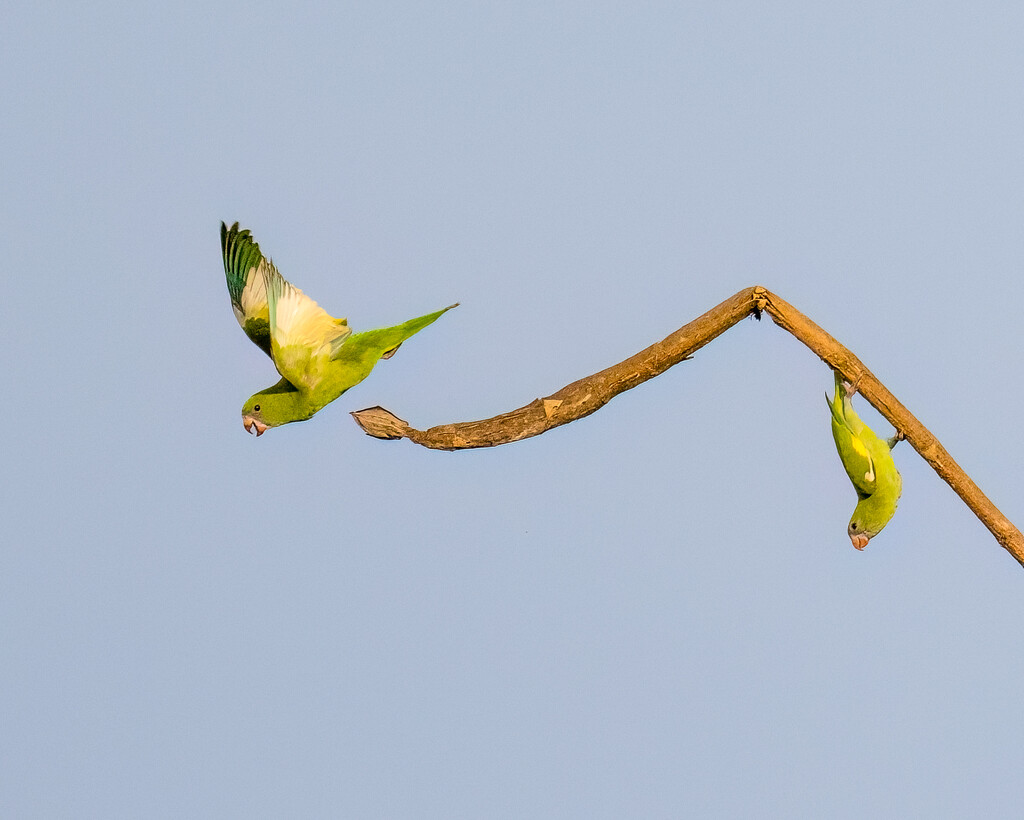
(318, 356)
(868, 462)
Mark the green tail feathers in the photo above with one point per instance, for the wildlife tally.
(383, 342)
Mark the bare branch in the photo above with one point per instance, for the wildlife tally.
(583, 397)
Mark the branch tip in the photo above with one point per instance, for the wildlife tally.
(381, 423)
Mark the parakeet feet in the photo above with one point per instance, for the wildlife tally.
(851, 387)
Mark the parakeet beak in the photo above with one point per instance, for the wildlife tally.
(257, 427)
(860, 540)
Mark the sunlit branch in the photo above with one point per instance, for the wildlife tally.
(583, 397)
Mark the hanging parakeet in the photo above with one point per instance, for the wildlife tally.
(868, 462)
(318, 356)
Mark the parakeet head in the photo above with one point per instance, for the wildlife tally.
(859, 533)
(273, 407)
(252, 416)
(873, 512)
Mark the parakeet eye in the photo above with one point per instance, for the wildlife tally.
(256, 408)
(853, 526)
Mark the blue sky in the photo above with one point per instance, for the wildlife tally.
(652, 612)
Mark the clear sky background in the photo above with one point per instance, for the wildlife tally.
(652, 612)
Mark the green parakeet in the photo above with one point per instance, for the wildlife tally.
(318, 356)
(868, 462)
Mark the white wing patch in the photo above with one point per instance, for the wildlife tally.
(295, 319)
(253, 296)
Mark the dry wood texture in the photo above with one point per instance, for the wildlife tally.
(583, 397)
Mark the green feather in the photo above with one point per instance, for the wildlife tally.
(869, 465)
(241, 253)
(380, 343)
(359, 353)
(317, 355)
(242, 259)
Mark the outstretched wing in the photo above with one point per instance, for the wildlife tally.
(243, 266)
(302, 334)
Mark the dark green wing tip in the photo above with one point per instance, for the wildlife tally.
(240, 253)
(233, 240)
(227, 234)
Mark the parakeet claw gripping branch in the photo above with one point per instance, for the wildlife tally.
(317, 356)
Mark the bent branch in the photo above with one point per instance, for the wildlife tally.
(583, 397)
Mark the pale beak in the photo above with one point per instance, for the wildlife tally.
(860, 540)
(253, 426)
